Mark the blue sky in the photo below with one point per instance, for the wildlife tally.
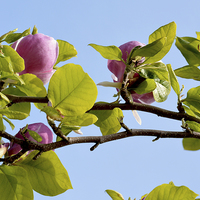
(132, 166)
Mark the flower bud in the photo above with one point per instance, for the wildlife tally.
(40, 53)
(118, 69)
(3, 148)
(40, 128)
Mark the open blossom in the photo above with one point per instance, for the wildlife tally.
(118, 69)
(40, 128)
(40, 53)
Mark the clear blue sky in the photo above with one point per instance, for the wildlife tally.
(132, 166)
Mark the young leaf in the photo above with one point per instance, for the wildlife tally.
(189, 72)
(108, 52)
(15, 183)
(9, 122)
(52, 113)
(6, 34)
(16, 36)
(66, 51)
(115, 195)
(71, 90)
(173, 80)
(168, 31)
(191, 53)
(169, 192)
(108, 120)
(47, 175)
(35, 135)
(162, 90)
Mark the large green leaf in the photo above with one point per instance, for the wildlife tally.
(189, 72)
(173, 80)
(162, 90)
(191, 53)
(71, 90)
(115, 195)
(66, 51)
(47, 175)
(150, 50)
(108, 120)
(15, 183)
(169, 31)
(108, 52)
(171, 192)
(13, 60)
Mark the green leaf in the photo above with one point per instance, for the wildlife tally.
(162, 90)
(192, 99)
(47, 175)
(2, 127)
(189, 72)
(35, 30)
(173, 80)
(148, 85)
(13, 114)
(6, 34)
(198, 35)
(108, 52)
(15, 183)
(66, 51)
(12, 62)
(81, 120)
(8, 77)
(191, 53)
(35, 135)
(71, 90)
(19, 107)
(169, 31)
(115, 195)
(154, 71)
(169, 192)
(151, 49)
(108, 120)
(9, 122)
(192, 144)
(33, 87)
(16, 36)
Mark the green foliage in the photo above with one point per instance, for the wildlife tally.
(108, 120)
(170, 191)
(108, 52)
(190, 52)
(189, 72)
(15, 183)
(168, 31)
(148, 85)
(11, 61)
(71, 90)
(66, 51)
(173, 80)
(47, 175)
(115, 195)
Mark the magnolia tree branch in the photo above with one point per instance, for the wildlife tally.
(123, 106)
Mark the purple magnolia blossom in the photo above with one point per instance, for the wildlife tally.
(40, 53)
(118, 69)
(40, 128)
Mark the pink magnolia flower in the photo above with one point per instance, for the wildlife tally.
(118, 69)
(40, 53)
(40, 128)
